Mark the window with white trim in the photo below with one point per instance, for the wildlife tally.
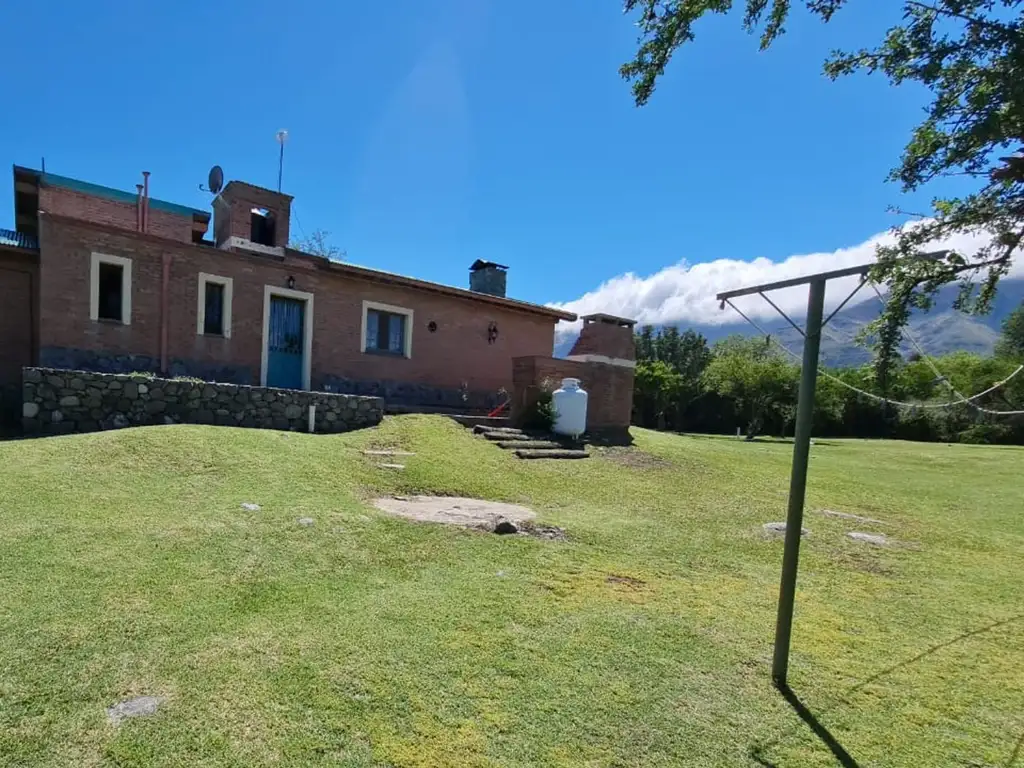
(387, 330)
(110, 289)
(213, 314)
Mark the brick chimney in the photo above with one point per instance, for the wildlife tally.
(605, 339)
(487, 277)
(251, 218)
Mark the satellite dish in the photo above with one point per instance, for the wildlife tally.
(216, 179)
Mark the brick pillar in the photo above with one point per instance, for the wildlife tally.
(605, 339)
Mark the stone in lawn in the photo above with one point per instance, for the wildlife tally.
(306, 521)
(503, 526)
(869, 538)
(248, 506)
(779, 529)
(136, 707)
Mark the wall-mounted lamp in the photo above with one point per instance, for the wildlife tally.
(431, 326)
(291, 281)
(492, 332)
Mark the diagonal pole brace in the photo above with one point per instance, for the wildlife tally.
(784, 315)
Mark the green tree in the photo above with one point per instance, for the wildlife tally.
(1011, 341)
(656, 388)
(969, 55)
(686, 354)
(755, 376)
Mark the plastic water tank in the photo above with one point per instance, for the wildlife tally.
(570, 403)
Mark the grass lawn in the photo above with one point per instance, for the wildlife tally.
(128, 567)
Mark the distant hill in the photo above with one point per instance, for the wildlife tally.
(939, 332)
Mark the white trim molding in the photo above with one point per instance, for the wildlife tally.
(204, 279)
(619, 361)
(126, 285)
(248, 245)
(390, 308)
(307, 331)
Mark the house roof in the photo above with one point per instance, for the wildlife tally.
(14, 239)
(448, 290)
(110, 193)
(353, 270)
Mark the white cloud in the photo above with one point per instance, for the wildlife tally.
(685, 294)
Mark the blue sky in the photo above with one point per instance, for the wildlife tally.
(424, 135)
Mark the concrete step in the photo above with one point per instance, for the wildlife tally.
(550, 453)
(483, 429)
(531, 444)
(496, 436)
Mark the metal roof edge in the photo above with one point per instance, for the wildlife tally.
(111, 193)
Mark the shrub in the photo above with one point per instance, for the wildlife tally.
(541, 415)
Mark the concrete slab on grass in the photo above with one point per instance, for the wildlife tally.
(471, 513)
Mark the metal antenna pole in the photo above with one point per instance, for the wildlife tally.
(280, 167)
(798, 480)
(282, 137)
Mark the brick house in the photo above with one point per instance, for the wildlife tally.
(96, 278)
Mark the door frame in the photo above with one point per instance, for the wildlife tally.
(307, 330)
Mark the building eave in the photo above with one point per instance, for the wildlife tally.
(310, 261)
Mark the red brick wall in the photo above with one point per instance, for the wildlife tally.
(609, 390)
(600, 338)
(59, 201)
(19, 278)
(457, 352)
(236, 204)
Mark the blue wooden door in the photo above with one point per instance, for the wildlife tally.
(285, 345)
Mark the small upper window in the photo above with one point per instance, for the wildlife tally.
(385, 332)
(262, 226)
(213, 313)
(213, 320)
(111, 289)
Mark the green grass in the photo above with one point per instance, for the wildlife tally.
(128, 567)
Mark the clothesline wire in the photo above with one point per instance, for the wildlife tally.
(879, 398)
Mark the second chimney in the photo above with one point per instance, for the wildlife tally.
(488, 277)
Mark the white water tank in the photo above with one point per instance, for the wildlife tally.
(570, 403)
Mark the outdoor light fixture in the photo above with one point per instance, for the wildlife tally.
(492, 332)
(291, 281)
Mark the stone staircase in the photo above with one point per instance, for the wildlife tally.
(531, 446)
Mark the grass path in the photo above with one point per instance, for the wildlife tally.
(128, 567)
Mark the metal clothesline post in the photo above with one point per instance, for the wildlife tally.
(802, 438)
(798, 480)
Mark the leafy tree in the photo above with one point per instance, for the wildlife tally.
(969, 55)
(645, 344)
(318, 244)
(656, 387)
(1011, 342)
(686, 354)
(753, 374)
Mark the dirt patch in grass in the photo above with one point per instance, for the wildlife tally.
(633, 457)
(548, 532)
(626, 581)
(865, 562)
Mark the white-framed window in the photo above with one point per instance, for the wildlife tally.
(387, 330)
(110, 288)
(213, 314)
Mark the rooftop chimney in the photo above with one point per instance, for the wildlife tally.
(487, 277)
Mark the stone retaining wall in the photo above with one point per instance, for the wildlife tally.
(57, 401)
